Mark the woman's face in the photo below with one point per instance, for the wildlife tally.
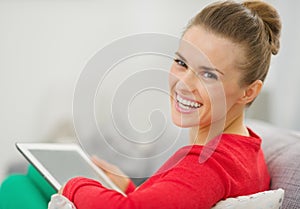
(204, 80)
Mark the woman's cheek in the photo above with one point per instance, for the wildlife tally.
(173, 78)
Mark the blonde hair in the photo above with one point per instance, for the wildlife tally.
(254, 25)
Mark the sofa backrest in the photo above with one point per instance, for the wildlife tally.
(282, 152)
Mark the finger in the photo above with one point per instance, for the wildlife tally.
(108, 168)
(102, 163)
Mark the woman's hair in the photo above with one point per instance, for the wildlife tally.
(254, 25)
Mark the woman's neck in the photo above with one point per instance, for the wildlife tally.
(201, 135)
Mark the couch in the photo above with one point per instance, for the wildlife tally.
(282, 153)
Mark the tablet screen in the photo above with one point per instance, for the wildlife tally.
(66, 164)
(58, 163)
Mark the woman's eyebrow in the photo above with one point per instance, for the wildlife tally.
(200, 67)
(180, 56)
(211, 69)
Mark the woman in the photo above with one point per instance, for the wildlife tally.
(218, 71)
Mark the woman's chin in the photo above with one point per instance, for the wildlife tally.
(182, 123)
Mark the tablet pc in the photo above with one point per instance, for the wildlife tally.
(58, 163)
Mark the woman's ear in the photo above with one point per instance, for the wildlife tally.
(251, 92)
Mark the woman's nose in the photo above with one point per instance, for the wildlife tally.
(188, 81)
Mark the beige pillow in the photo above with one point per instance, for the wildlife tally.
(271, 199)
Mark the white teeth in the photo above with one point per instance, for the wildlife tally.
(184, 107)
(187, 104)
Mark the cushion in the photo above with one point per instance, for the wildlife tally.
(281, 148)
(18, 191)
(263, 200)
(31, 191)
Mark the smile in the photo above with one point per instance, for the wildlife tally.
(186, 104)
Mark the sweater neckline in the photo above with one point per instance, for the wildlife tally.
(253, 139)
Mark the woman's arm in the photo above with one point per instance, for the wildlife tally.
(180, 188)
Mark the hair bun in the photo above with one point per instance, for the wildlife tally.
(271, 19)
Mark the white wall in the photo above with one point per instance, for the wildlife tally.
(45, 44)
(286, 84)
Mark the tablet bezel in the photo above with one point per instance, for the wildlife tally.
(25, 148)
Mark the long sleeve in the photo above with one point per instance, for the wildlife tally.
(168, 192)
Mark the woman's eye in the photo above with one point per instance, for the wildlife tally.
(181, 63)
(209, 75)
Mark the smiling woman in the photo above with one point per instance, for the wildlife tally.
(219, 69)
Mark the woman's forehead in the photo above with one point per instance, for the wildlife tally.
(201, 45)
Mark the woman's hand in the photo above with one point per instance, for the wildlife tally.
(113, 172)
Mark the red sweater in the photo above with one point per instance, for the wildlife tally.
(236, 167)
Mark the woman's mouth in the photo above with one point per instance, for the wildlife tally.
(185, 105)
